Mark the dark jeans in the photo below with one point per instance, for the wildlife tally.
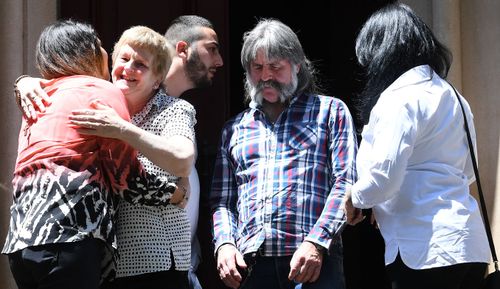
(272, 273)
(459, 276)
(171, 279)
(58, 266)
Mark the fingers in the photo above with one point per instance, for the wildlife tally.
(353, 215)
(37, 101)
(227, 258)
(43, 96)
(240, 261)
(295, 265)
(97, 104)
(180, 197)
(373, 220)
(315, 274)
(304, 271)
(28, 110)
(306, 263)
(84, 124)
(83, 112)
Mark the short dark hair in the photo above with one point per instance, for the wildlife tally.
(68, 47)
(187, 28)
(392, 41)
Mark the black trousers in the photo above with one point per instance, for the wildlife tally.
(58, 266)
(459, 276)
(170, 279)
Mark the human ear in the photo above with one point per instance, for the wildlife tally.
(181, 48)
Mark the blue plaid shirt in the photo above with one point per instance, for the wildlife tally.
(276, 185)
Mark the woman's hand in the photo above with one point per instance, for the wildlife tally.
(30, 96)
(101, 121)
(180, 197)
(354, 215)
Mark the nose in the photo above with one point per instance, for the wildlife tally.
(267, 74)
(127, 66)
(218, 60)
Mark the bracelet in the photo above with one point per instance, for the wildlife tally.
(19, 79)
(17, 93)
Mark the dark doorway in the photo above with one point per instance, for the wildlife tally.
(326, 29)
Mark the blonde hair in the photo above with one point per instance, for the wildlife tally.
(146, 38)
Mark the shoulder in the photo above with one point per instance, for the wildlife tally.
(331, 103)
(167, 102)
(85, 89)
(87, 82)
(244, 116)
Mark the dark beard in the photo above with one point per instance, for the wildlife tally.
(197, 72)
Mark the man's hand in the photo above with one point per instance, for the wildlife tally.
(228, 261)
(306, 262)
(354, 215)
(101, 121)
(31, 97)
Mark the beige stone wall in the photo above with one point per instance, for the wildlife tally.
(480, 43)
(21, 22)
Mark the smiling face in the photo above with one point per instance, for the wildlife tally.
(204, 59)
(273, 81)
(132, 73)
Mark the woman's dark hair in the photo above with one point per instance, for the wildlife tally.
(392, 41)
(69, 48)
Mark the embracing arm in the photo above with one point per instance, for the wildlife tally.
(174, 154)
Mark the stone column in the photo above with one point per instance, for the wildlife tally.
(21, 22)
(446, 27)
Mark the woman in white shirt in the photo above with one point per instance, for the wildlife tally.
(413, 162)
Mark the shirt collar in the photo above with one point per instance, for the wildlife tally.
(158, 100)
(415, 75)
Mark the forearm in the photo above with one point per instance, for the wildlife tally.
(331, 221)
(174, 154)
(224, 226)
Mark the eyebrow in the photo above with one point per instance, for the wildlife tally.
(214, 43)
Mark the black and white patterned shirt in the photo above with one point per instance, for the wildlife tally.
(146, 234)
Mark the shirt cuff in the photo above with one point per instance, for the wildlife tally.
(357, 199)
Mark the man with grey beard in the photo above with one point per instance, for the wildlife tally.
(281, 172)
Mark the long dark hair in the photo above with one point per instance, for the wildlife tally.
(392, 41)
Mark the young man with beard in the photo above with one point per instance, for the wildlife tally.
(281, 173)
(195, 61)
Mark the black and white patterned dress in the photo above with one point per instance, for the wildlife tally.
(147, 235)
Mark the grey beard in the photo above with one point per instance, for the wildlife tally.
(254, 92)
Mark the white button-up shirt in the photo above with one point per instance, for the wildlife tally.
(415, 169)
